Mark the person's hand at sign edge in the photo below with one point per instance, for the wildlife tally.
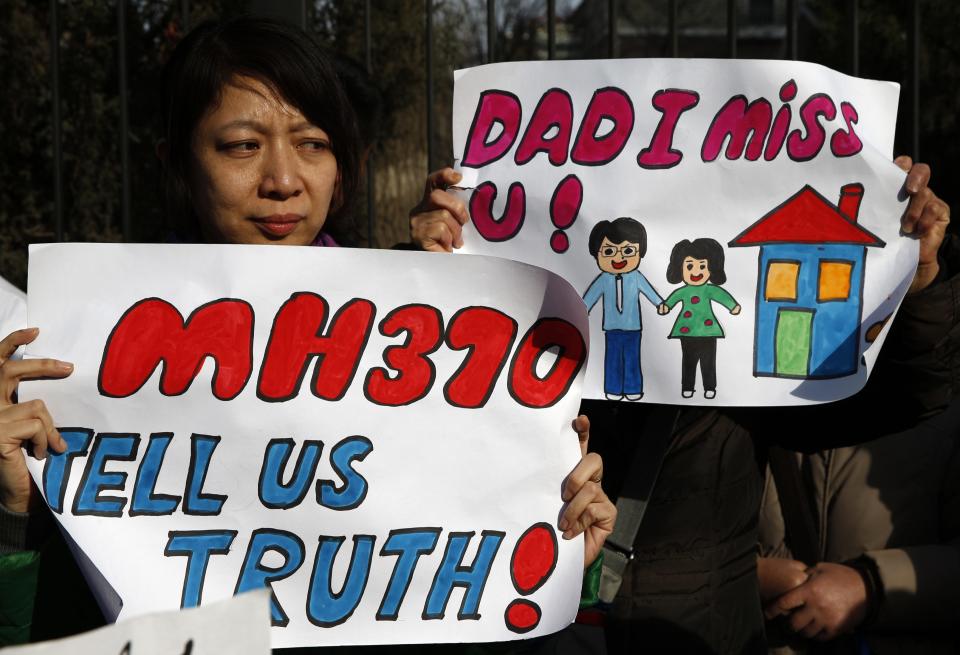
(24, 423)
(588, 510)
(926, 219)
(436, 224)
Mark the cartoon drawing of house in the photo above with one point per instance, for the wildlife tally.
(810, 285)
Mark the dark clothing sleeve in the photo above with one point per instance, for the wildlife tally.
(922, 353)
(13, 531)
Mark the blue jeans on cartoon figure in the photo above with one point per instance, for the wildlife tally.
(622, 374)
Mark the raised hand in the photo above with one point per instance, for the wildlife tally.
(436, 223)
(24, 424)
(588, 509)
(926, 219)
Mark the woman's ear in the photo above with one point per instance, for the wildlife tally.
(161, 150)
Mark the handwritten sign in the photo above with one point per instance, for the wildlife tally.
(240, 626)
(732, 226)
(379, 437)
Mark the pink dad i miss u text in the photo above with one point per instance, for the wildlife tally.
(753, 129)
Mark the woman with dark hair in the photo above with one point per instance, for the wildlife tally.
(260, 146)
(698, 265)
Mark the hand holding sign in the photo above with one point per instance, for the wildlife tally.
(588, 509)
(25, 423)
(436, 223)
(926, 219)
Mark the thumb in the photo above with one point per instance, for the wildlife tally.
(581, 425)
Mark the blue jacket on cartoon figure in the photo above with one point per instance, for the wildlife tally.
(622, 326)
(627, 317)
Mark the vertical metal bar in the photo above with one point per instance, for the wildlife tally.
(124, 120)
(914, 41)
(732, 29)
(491, 31)
(368, 64)
(792, 13)
(551, 29)
(57, 137)
(185, 15)
(429, 64)
(613, 49)
(672, 28)
(853, 18)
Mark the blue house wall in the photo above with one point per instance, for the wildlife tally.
(835, 332)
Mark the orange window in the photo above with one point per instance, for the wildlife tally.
(782, 280)
(834, 281)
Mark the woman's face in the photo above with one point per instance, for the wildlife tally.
(261, 172)
(695, 271)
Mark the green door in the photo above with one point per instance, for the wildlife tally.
(793, 342)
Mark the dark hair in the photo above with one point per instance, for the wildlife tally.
(618, 231)
(698, 249)
(364, 97)
(289, 62)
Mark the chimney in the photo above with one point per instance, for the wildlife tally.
(850, 197)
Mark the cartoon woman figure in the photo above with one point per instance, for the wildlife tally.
(699, 265)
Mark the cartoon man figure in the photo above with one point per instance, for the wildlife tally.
(618, 246)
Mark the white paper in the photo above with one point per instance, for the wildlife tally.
(456, 460)
(679, 173)
(240, 626)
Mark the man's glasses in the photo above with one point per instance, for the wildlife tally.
(626, 251)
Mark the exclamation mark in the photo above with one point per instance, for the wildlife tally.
(564, 208)
(534, 559)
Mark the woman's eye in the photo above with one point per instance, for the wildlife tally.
(702, 266)
(689, 267)
(315, 145)
(240, 147)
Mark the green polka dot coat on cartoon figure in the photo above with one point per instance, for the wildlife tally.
(699, 265)
(696, 318)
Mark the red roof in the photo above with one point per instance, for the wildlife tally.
(806, 217)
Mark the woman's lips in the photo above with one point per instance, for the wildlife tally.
(619, 265)
(278, 225)
(696, 278)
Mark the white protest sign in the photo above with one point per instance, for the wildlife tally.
(239, 626)
(379, 436)
(745, 217)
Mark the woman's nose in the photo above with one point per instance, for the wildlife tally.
(280, 177)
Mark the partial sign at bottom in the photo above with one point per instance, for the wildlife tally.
(239, 625)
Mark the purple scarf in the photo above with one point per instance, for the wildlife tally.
(324, 239)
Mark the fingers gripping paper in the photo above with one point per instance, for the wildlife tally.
(380, 437)
(732, 226)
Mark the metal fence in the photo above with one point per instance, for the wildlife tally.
(297, 12)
